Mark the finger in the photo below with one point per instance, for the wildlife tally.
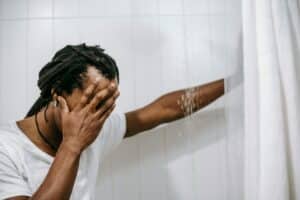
(86, 96)
(63, 106)
(107, 113)
(102, 86)
(100, 97)
(115, 96)
(108, 103)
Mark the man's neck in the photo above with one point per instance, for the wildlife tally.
(47, 127)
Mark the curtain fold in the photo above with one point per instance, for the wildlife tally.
(272, 113)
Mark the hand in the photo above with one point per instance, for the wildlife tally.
(82, 125)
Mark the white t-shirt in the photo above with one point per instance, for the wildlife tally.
(23, 166)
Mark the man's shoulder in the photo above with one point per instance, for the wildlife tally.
(6, 131)
(8, 136)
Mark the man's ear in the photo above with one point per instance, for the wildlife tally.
(53, 92)
(54, 97)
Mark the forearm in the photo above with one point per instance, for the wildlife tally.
(172, 106)
(184, 102)
(60, 179)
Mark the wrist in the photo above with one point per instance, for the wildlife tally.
(71, 146)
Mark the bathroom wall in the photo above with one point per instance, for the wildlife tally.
(160, 46)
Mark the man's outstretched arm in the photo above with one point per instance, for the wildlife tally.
(173, 106)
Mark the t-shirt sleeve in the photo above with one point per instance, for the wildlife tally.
(11, 181)
(113, 132)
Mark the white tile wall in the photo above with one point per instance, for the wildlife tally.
(160, 46)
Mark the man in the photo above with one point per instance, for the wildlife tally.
(55, 152)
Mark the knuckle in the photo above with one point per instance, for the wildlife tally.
(99, 96)
(83, 99)
(87, 94)
(107, 91)
(117, 94)
(111, 101)
(89, 90)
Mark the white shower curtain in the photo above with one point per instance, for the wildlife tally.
(271, 35)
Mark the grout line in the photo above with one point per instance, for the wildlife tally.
(53, 27)
(164, 131)
(1, 50)
(226, 181)
(186, 122)
(78, 8)
(27, 56)
(110, 16)
(138, 139)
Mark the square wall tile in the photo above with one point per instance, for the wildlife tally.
(233, 39)
(171, 7)
(219, 46)
(38, 8)
(146, 51)
(13, 64)
(198, 38)
(144, 7)
(196, 7)
(66, 31)
(39, 52)
(173, 53)
(66, 8)
(217, 7)
(234, 7)
(11, 9)
(93, 7)
(105, 7)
